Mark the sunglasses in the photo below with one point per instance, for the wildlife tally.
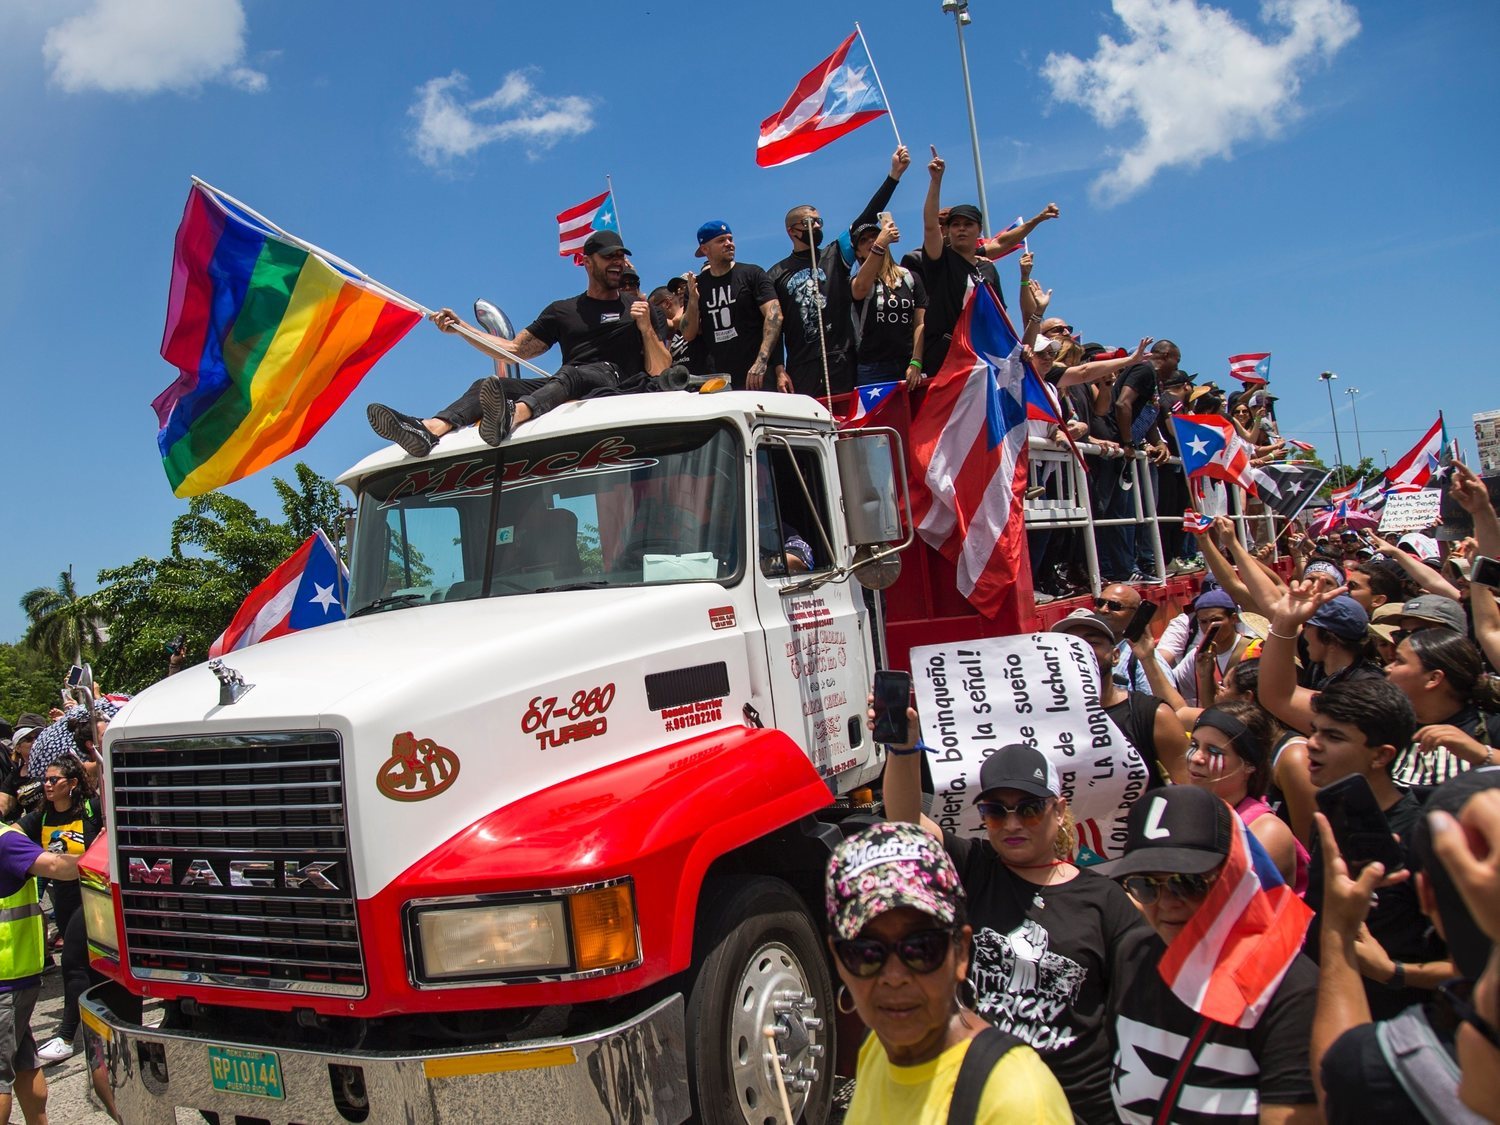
(1110, 603)
(1029, 812)
(1146, 889)
(922, 952)
(52, 780)
(1453, 1004)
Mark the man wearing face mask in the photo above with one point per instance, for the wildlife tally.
(801, 295)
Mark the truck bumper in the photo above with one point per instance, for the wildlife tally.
(633, 1072)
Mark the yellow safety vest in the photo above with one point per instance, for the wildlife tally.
(22, 932)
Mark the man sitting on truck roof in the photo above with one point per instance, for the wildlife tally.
(608, 344)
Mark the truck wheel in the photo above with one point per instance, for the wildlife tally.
(762, 965)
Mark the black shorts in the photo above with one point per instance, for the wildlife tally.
(17, 1047)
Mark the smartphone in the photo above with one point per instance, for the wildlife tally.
(1359, 826)
(892, 697)
(1143, 615)
(1208, 636)
(883, 218)
(1486, 571)
(75, 676)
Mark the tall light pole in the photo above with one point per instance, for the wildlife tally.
(1328, 377)
(1359, 445)
(960, 10)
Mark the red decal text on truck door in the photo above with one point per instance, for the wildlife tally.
(555, 722)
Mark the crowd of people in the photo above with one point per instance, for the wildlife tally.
(50, 812)
(1322, 749)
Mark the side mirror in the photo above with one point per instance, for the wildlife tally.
(867, 479)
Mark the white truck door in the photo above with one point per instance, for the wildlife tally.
(816, 641)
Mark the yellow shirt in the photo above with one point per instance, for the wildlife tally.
(1021, 1090)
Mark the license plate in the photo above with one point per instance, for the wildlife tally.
(236, 1071)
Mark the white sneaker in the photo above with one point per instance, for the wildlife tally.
(55, 1050)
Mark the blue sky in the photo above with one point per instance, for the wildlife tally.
(1320, 186)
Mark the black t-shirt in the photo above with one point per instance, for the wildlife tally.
(1140, 377)
(1231, 1073)
(947, 279)
(886, 319)
(802, 298)
(730, 323)
(1048, 965)
(592, 331)
(1360, 1087)
(1136, 718)
(1423, 772)
(1396, 920)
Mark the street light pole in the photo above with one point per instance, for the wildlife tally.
(1359, 445)
(960, 10)
(1328, 377)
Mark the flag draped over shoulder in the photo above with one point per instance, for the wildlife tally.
(1230, 958)
(583, 219)
(969, 442)
(834, 98)
(268, 338)
(306, 590)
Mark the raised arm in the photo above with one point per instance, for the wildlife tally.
(1474, 498)
(932, 230)
(902, 784)
(1007, 240)
(863, 282)
(1101, 368)
(1260, 587)
(690, 308)
(1218, 565)
(1426, 579)
(900, 162)
(658, 358)
(1277, 688)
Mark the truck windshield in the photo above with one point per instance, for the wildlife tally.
(626, 508)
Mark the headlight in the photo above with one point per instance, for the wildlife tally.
(588, 930)
(99, 916)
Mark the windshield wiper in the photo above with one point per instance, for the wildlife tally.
(383, 603)
(597, 584)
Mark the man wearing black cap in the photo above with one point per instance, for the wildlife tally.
(802, 298)
(608, 343)
(952, 260)
(1171, 1063)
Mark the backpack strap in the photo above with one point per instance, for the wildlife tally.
(1424, 1067)
(985, 1052)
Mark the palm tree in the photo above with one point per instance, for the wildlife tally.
(63, 625)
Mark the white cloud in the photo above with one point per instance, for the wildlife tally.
(1196, 81)
(144, 46)
(448, 128)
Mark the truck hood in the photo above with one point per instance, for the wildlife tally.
(520, 692)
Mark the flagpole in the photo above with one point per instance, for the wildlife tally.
(615, 203)
(384, 290)
(879, 85)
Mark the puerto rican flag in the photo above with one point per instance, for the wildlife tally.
(1253, 368)
(1211, 447)
(1421, 461)
(878, 404)
(836, 97)
(306, 590)
(1348, 492)
(1194, 524)
(1229, 959)
(968, 442)
(581, 220)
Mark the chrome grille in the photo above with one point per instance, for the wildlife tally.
(233, 860)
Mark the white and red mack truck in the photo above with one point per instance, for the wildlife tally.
(538, 832)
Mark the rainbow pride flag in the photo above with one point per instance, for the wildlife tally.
(269, 339)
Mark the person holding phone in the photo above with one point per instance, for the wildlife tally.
(1049, 939)
(1217, 616)
(889, 310)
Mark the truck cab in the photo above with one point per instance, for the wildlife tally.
(542, 823)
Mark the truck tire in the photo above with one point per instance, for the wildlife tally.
(761, 964)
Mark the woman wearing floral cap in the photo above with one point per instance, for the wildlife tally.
(901, 945)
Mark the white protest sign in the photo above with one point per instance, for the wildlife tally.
(1039, 688)
(1411, 511)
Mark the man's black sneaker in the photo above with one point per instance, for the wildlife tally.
(403, 429)
(496, 414)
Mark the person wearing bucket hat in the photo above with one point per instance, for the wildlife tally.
(1171, 1063)
(1402, 1068)
(735, 317)
(1049, 935)
(609, 342)
(901, 944)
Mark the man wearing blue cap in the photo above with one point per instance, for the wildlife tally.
(736, 315)
(1222, 646)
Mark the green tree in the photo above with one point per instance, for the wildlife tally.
(29, 681)
(220, 550)
(1347, 474)
(62, 624)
